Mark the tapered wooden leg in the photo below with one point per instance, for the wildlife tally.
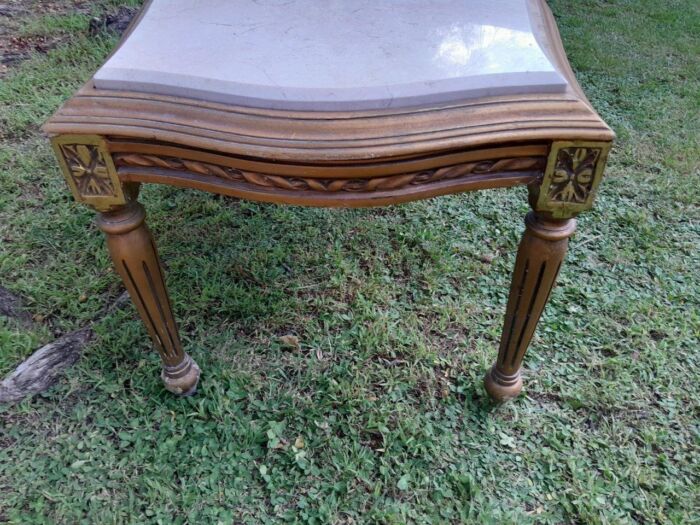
(540, 255)
(136, 259)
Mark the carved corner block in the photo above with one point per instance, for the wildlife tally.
(89, 170)
(574, 171)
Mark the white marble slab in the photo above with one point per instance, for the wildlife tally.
(333, 54)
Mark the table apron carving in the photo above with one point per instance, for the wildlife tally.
(393, 182)
(96, 174)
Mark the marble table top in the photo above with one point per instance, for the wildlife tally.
(334, 54)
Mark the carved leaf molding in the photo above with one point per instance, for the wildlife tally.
(392, 182)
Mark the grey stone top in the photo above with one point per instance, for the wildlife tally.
(334, 54)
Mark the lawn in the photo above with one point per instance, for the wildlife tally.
(379, 414)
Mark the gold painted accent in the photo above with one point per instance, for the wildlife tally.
(89, 170)
(574, 171)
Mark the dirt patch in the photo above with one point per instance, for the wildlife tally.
(112, 22)
(11, 306)
(9, 14)
(12, 9)
(16, 47)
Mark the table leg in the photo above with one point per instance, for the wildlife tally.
(136, 259)
(539, 258)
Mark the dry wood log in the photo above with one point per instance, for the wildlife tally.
(45, 366)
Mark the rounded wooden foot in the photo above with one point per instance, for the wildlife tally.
(501, 387)
(181, 379)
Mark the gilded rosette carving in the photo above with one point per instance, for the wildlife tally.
(574, 171)
(89, 170)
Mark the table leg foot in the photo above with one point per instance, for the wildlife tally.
(501, 387)
(181, 379)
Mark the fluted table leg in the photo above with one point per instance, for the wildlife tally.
(540, 256)
(136, 259)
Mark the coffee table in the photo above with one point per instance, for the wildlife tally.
(338, 103)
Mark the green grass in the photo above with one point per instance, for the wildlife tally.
(398, 317)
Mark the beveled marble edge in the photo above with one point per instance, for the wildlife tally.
(321, 99)
(322, 137)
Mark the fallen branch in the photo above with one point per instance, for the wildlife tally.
(44, 367)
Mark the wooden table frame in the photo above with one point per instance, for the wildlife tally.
(110, 142)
